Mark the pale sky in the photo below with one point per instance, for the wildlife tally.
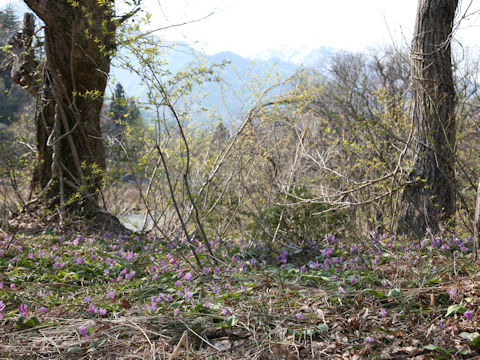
(248, 27)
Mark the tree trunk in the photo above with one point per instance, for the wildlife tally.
(79, 41)
(429, 199)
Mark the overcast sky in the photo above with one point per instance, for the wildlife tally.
(247, 27)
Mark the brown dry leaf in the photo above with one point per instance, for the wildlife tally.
(354, 323)
(340, 338)
(126, 304)
(410, 350)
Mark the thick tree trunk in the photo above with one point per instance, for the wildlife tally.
(78, 44)
(430, 198)
(26, 71)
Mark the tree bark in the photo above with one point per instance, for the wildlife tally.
(79, 41)
(429, 199)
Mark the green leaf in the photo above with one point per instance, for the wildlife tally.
(378, 294)
(394, 293)
(323, 327)
(442, 351)
(432, 347)
(23, 323)
(456, 308)
(473, 338)
(231, 321)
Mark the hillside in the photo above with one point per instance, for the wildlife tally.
(229, 97)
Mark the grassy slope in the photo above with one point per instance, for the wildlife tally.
(114, 298)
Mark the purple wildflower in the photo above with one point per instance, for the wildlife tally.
(83, 330)
(468, 314)
(453, 294)
(22, 310)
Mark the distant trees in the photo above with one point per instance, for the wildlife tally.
(122, 112)
(430, 198)
(11, 97)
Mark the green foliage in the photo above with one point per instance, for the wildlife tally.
(124, 112)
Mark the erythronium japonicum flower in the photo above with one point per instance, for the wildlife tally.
(2, 307)
(83, 330)
(22, 310)
(468, 314)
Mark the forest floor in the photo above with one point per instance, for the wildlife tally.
(87, 296)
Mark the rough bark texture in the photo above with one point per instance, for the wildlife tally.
(71, 156)
(430, 199)
(27, 72)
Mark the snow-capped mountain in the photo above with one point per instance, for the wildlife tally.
(302, 56)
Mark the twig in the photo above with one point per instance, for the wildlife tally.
(152, 345)
(201, 338)
(476, 226)
(180, 217)
(183, 341)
